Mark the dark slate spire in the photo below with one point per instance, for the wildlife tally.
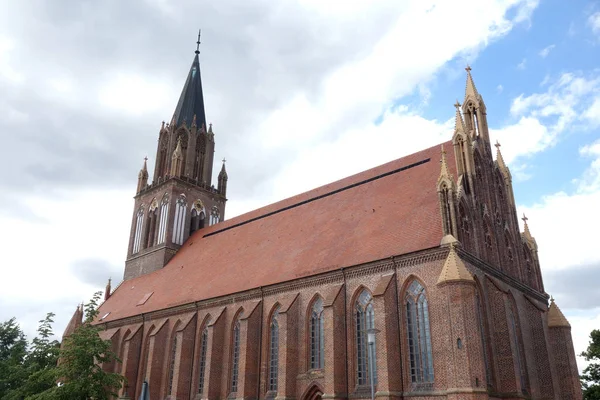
(191, 101)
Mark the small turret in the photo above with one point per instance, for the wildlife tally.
(447, 192)
(177, 160)
(475, 111)
(107, 290)
(222, 185)
(143, 177)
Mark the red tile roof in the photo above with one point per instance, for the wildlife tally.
(388, 210)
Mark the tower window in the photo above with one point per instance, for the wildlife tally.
(214, 216)
(179, 222)
(162, 225)
(137, 237)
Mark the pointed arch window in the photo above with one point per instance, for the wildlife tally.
(317, 335)
(197, 220)
(274, 351)
(179, 221)
(164, 215)
(203, 351)
(214, 215)
(172, 364)
(418, 336)
(365, 319)
(150, 234)
(235, 355)
(137, 236)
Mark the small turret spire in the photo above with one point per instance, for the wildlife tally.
(459, 124)
(470, 90)
(107, 290)
(501, 164)
(556, 319)
(444, 166)
(143, 176)
(222, 184)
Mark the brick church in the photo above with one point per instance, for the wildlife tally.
(408, 280)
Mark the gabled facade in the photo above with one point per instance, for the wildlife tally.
(279, 302)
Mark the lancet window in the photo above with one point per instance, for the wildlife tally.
(317, 335)
(172, 364)
(202, 361)
(366, 361)
(235, 355)
(179, 221)
(419, 336)
(214, 216)
(274, 351)
(164, 215)
(137, 237)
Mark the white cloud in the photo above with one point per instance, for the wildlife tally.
(522, 65)
(133, 94)
(545, 51)
(499, 88)
(594, 22)
(593, 112)
(7, 71)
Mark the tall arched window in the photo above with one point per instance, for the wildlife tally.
(164, 215)
(197, 220)
(317, 335)
(365, 320)
(419, 336)
(515, 341)
(137, 237)
(235, 355)
(179, 221)
(151, 228)
(214, 216)
(202, 363)
(274, 351)
(172, 365)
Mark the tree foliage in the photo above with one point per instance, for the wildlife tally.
(80, 368)
(13, 351)
(33, 371)
(590, 380)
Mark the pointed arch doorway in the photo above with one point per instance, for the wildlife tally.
(314, 392)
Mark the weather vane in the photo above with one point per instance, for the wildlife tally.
(198, 42)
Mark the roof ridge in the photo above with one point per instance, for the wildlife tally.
(331, 193)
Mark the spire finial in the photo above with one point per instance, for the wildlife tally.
(468, 68)
(198, 42)
(224, 160)
(524, 219)
(497, 145)
(551, 298)
(457, 104)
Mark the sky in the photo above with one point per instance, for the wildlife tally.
(300, 93)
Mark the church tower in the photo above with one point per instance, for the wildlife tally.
(181, 197)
